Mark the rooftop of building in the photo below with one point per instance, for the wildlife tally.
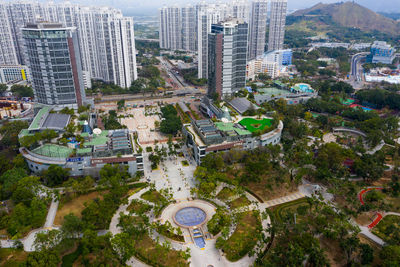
(105, 144)
(53, 151)
(273, 91)
(241, 104)
(44, 25)
(231, 127)
(46, 120)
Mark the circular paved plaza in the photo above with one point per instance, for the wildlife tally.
(188, 214)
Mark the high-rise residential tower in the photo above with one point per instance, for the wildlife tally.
(53, 57)
(227, 51)
(258, 27)
(8, 54)
(105, 36)
(277, 24)
(207, 15)
(189, 28)
(170, 28)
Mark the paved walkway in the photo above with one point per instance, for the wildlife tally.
(281, 200)
(29, 239)
(114, 229)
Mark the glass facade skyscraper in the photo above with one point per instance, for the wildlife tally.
(53, 57)
(227, 53)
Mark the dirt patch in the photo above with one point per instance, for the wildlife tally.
(276, 191)
(333, 252)
(365, 218)
(364, 240)
(76, 206)
(12, 257)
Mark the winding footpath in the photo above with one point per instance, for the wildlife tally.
(29, 239)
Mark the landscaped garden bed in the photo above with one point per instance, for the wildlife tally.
(225, 194)
(389, 229)
(239, 203)
(244, 238)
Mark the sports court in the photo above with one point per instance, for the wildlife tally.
(254, 125)
(53, 151)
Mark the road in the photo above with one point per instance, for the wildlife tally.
(357, 72)
(170, 69)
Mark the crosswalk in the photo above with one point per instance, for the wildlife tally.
(284, 199)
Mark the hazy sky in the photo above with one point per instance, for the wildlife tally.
(138, 7)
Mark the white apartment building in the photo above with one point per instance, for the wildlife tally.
(170, 28)
(260, 65)
(207, 15)
(105, 36)
(176, 25)
(8, 54)
(14, 73)
(258, 25)
(277, 24)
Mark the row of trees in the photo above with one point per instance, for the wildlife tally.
(171, 122)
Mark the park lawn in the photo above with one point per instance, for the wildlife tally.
(154, 196)
(393, 203)
(225, 194)
(139, 207)
(298, 206)
(269, 188)
(389, 229)
(76, 206)
(10, 257)
(134, 188)
(245, 236)
(239, 202)
(254, 125)
(148, 251)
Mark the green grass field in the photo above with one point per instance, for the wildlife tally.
(253, 125)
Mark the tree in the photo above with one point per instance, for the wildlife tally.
(367, 254)
(9, 181)
(21, 90)
(171, 122)
(349, 246)
(48, 135)
(26, 189)
(121, 104)
(48, 258)
(55, 175)
(3, 88)
(390, 256)
(47, 240)
(10, 131)
(123, 244)
(72, 226)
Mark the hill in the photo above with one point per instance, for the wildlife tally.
(350, 15)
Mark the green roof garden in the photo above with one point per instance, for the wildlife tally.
(279, 83)
(254, 125)
(53, 151)
(35, 125)
(229, 127)
(96, 141)
(83, 151)
(272, 91)
(24, 132)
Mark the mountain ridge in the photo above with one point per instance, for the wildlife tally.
(352, 15)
